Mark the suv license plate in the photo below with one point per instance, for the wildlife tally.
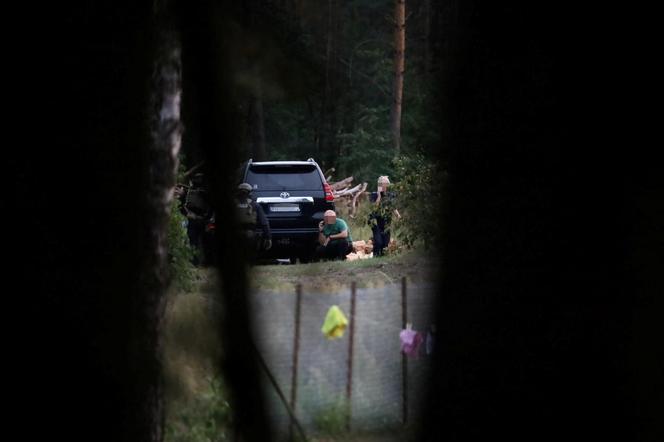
(285, 208)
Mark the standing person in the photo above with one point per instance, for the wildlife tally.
(381, 216)
(198, 212)
(334, 238)
(251, 218)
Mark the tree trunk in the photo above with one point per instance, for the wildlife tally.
(252, 23)
(520, 117)
(399, 68)
(257, 122)
(166, 134)
(427, 38)
(94, 243)
(206, 62)
(327, 123)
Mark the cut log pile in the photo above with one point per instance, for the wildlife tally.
(343, 192)
(364, 249)
(361, 250)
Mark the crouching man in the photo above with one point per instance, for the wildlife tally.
(334, 238)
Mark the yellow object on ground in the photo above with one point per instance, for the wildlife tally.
(335, 323)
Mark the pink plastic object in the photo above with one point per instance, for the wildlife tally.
(410, 341)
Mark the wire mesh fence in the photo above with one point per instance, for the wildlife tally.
(361, 381)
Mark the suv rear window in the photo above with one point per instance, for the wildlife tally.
(284, 177)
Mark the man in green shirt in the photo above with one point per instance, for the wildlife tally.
(334, 237)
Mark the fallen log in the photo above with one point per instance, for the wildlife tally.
(342, 183)
(354, 202)
(328, 173)
(349, 191)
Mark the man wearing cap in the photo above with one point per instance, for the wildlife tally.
(334, 237)
(250, 216)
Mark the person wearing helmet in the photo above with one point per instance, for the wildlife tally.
(380, 217)
(198, 211)
(335, 241)
(251, 217)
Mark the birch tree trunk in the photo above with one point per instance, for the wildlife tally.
(399, 68)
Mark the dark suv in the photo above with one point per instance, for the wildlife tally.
(294, 195)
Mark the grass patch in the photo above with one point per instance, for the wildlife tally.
(196, 403)
(333, 276)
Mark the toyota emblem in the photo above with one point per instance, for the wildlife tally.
(284, 194)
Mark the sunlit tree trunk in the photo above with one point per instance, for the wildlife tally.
(399, 68)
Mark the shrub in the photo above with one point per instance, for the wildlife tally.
(180, 252)
(419, 184)
(207, 418)
(332, 421)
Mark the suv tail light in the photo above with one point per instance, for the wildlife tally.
(329, 196)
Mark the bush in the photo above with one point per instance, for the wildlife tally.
(205, 419)
(180, 252)
(332, 421)
(419, 184)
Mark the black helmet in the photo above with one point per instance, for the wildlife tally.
(198, 179)
(244, 188)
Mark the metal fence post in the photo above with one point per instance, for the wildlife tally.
(351, 336)
(404, 360)
(296, 352)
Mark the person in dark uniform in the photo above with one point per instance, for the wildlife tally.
(380, 217)
(254, 225)
(198, 212)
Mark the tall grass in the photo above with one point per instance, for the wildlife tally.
(197, 409)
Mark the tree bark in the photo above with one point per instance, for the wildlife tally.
(427, 37)
(341, 183)
(94, 243)
(257, 122)
(399, 68)
(206, 63)
(252, 23)
(327, 123)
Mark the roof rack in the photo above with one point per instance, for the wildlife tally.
(311, 160)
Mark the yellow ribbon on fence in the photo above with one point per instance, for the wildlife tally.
(335, 323)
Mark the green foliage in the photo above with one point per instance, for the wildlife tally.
(206, 418)
(180, 252)
(366, 149)
(332, 421)
(419, 183)
(359, 228)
